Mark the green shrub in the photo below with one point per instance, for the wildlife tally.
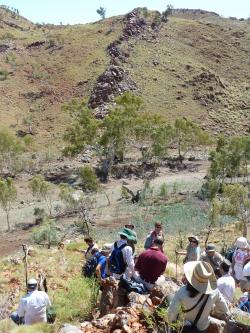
(163, 190)
(3, 74)
(47, 234)
(88, 176)
(77, 301)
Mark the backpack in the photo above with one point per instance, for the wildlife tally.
(88, 269)
(229, 254)
(116, 262)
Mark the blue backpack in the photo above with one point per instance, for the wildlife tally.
(117, 264)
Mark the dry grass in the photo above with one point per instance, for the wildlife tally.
(184, 48)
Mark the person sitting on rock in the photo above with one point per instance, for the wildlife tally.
(195, 301)
(226, 283)
(213, 257)
(91, 245)
(121, 261)
(156, 233)
(151, 264)
(32, 307)
(192, 252)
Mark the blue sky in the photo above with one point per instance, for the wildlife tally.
(82, 11)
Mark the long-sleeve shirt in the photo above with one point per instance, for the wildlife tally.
(33, 307)
(151, 264)
(128, 258)
(193, 254)
(226, 285)
(183, 300)
(151, 237)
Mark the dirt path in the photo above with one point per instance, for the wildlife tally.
(23, 213)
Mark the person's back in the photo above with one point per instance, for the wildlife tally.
(183, 300)
(198, 297)
(121, 261)
(33, 307)
(226, 283)
(151, 264)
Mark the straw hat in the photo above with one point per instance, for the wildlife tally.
(201, 276)
(241, 243)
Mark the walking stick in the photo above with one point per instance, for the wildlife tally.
(176, 264)
(25, 259)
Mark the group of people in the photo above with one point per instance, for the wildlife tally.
(209, 280)
(119, 260)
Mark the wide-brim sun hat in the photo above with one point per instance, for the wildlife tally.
(201, 276)
(194, 238)
(241, 243)
(129, 234)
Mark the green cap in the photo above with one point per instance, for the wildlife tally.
(129, 234)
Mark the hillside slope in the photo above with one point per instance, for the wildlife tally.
(195, 65)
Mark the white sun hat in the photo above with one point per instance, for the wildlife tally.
(201, 276)
(241, 243)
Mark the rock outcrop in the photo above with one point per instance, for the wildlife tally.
(115, 80)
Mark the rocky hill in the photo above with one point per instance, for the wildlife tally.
(194, 65)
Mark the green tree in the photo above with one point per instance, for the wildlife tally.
(102, 12)
(42, 190)
(166, 13)
(230, 159)
(213, 216)
(188, 136)
(8, 195)
(84, 129)
(236, 202)
(10, 149)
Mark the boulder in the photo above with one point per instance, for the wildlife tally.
(67, 328)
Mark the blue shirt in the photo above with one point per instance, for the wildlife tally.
(101, 260)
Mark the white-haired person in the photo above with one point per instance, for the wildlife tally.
(193, 303)
(32, 307)
(240, 255)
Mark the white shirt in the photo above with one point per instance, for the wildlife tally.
(128, 259)
(239, 257)
(226, 285)
(33, 307)
(182, 299)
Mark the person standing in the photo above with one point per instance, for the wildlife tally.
(121, 261)
(151, 264)
(213, 257)
(32, 307)
(241, 253)
(91, 246)
(193, 251)
(226, 283)
(156, 233)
